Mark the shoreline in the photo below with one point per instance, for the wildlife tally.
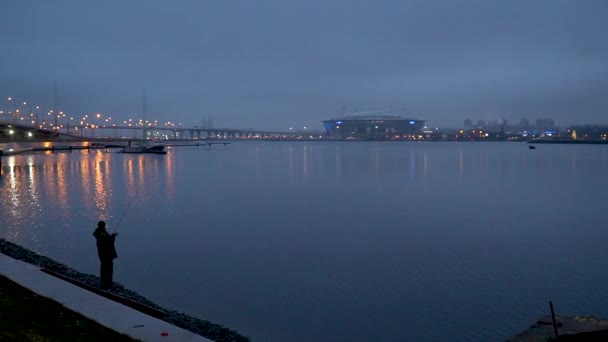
(195, 325)
(570, 328)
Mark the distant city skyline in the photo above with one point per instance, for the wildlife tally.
(32, 113)
(275, 64)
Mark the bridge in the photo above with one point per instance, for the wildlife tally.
(20, 131)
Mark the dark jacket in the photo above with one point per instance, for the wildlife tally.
(105, 244)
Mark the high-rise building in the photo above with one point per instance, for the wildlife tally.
(524, 124)
(468, 123)
(481, 124)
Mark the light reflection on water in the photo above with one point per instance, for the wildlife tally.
(332, 241)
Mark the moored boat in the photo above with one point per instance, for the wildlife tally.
(150, 148)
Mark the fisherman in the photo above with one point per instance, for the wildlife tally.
(106, 252)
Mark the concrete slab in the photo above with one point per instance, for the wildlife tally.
(108, 313)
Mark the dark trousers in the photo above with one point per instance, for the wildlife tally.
(105, 273)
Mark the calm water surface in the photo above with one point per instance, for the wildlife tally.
(333, 241)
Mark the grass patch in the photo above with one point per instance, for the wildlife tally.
(26, 316)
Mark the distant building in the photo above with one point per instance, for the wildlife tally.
(468, 123)
(545, 125)
(589, 132)
(524, 124)
(374, 125)
(492, 125)
(481, 124)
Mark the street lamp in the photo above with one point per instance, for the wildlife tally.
(37, 108)
(9, 105)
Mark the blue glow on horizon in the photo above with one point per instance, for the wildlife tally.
(338, 122)
(412, 122)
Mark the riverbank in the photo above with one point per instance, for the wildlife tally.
(198, 326)
(26, 316)
(568, 141)
(577, 328)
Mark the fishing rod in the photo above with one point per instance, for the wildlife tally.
(129, 203)
(122, 216)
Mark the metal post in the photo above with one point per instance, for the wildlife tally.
(143, 110)
(55, 104)
(553, 319)
(1, 162)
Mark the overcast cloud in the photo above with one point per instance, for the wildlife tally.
(275, 64)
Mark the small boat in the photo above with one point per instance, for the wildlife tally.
(150, 148)
(532, 147)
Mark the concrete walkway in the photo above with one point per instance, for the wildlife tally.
(108, 313)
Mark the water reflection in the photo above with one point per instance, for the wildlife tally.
(573, 162)
(461, 163)
(425, 164)
(72, 185)
(102, 193)
(412, 165)
(305, 162)
(338, 163)
(14, 202)
(290, 157)
(140, 168)
(84, 179)
(376, 161)
(480, 168)
(130, 175)
(61, 181)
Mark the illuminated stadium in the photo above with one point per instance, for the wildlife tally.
(376, 125)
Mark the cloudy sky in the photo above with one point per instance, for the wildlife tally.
(278, 63)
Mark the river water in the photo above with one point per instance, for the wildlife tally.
(332, 241)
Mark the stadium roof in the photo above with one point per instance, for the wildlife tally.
(372, 115)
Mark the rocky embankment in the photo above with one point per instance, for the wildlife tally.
(198, 326)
